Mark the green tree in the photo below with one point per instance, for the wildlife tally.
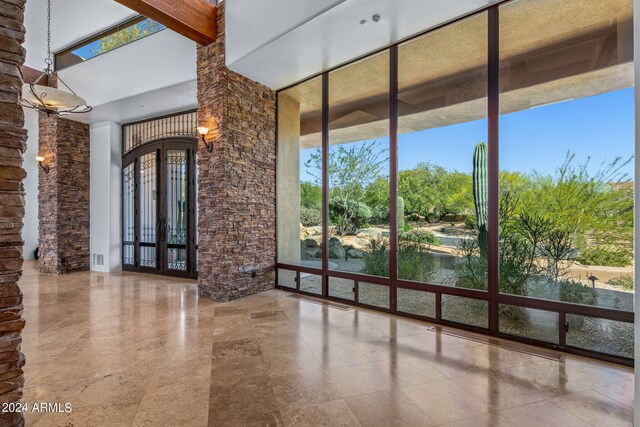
(310, 195)
(127, 35)
(352, 168)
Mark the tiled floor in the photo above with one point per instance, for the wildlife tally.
(143, 350)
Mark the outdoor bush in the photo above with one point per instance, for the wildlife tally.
(419, 236)
(348, 221)
(625, 282)
(310, 217)
(407, 227)
(470, 222)
(600, 255)
(415, 262)
(576, 292)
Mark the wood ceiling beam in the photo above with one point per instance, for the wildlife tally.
(194, 19)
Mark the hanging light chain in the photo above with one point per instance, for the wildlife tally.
(48, 61)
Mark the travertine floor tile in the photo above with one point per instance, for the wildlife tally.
(137, 349)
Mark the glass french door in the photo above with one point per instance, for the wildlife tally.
(158, 209)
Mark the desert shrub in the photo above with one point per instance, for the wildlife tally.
(576, 292)
(611, 257)
(414, 261)
(625, 282)
(419, 236)
(470, 268)
(348, 220)
(415, 217)
(310, 217)
(379, 215)
(470, 222)
(407, 227)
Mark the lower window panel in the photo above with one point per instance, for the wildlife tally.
(605, 336)
(286, 278)
(416, 302)
(341, 288)
(531, 323)
(311, 283)
(467, 311)
(372, 294)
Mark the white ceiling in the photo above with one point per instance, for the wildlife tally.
(263, 43)
(277, 48)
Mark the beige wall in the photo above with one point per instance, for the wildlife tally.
(288, 180)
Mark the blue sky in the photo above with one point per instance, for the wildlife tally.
(537, 139)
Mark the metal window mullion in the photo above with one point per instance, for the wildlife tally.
(393, 175)
(325, 184)
(493, 98)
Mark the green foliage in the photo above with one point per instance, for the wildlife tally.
(625, 282)
(419, 236)
(310, 195)
(127, 35)
(609, 256)
(576, 292)
(352, 168)
(415, 262)
(432, 191)
(470, 222)
(310, 217)
(358, 215)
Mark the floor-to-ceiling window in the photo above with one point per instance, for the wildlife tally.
(566, 167)
(480, 174)
(299, 184)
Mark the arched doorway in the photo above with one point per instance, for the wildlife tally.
(159, 199)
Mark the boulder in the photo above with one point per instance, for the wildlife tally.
(314, 231)
(369, 233)
(355, 253)
(310, 243)
(337, 252)
(313, 252)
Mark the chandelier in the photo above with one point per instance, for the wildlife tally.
(47, 99)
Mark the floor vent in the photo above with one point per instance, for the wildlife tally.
(319, 301)
(503, 343)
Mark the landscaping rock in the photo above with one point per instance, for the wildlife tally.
(313, 252)
(310, 243)
(355, 253)
(369, 233)
(314, 231)
(337, 252)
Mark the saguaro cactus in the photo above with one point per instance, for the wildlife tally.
(400, 214)
(480, 194)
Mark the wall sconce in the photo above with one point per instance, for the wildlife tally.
(40, 161)
(203, 131)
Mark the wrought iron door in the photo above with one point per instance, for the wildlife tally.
(158, 209)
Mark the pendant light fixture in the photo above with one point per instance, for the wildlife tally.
(47, 99)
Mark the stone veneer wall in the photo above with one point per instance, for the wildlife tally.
(237, 182)
(63, 196)
(12, 145)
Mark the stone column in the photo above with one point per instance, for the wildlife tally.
(12, 144)
(237, 181)
(63, 196)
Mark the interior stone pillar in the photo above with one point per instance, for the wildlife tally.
(237, 181)
(288, 182)
(63, 195)
(12, 145)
